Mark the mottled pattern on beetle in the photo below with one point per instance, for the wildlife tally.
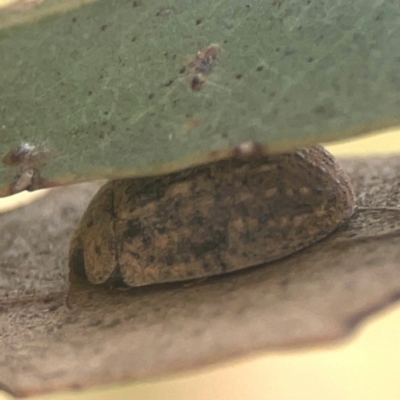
(212, 219)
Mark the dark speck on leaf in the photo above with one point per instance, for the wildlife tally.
(197, 82)
(260, 68)
(320, 110)
(289, 52)
(103, 27)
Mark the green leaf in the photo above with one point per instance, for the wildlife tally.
(113, 88)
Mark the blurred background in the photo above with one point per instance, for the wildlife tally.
(364, 366)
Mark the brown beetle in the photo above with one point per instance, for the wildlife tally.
(211, 219)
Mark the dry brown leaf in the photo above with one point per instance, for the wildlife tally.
(315, 296)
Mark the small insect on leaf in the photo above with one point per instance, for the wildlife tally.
(28, 154)
(202, 65)
(17, 155)
(205, 60)
(28, 159)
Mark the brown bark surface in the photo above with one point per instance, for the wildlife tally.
(318, 295)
